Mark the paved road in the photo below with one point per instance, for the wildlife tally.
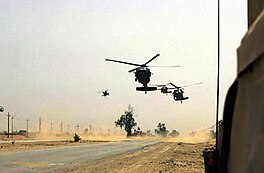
(48, 160)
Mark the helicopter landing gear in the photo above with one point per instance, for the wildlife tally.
(146, 89)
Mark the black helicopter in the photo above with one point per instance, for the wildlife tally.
(104, 93)
(178, 95)
(165, 89)
(1, 109)
(177, 92)
(142, 73)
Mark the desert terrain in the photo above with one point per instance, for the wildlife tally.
(181, 154)
(34, 145)
(21, 143)
(163, 157)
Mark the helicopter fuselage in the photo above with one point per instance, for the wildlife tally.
(1, 109)
(178, 95)
(105, 93)
(165, 90)
(143, 76)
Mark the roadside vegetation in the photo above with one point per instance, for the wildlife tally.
(129, 124)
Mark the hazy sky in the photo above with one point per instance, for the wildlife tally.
(53, 60)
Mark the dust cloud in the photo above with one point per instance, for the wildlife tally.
(198, 137)
(93, 137)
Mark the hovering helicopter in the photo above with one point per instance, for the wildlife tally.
(178, 95)
(1, 109)
(142, 73)
(104, 93)
(165, 89)
(177, 91)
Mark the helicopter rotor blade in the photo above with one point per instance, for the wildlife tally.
(175, 87)
(103, 91)
(167, 88)
(165, 66)
(151, 59)
(123, 62)
(134, 69)
(192, 84)
(157, 85)
(171, 88)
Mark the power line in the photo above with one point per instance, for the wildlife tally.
(39, 120)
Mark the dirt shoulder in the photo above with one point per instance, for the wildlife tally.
(162, 157)
(16, 146)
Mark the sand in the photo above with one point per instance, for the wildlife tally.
(163, 157)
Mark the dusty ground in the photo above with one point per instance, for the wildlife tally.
(9, 147)
(163, 157)
(86, 139)
(172, 155)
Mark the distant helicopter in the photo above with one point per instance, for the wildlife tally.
(165, 89)
(1, 109)
(142, 73)
(177, 92)
(104, 93)
(178, 95)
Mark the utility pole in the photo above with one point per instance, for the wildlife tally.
(78, 126)
(51, 127)
(8, 116)
(61, 126)
(12, 127)
(27, 128)
(68, 128)
(218, 75)
(90, 128)
(39, 125)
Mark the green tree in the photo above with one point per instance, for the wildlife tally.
(162, 131)
(127, 121)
